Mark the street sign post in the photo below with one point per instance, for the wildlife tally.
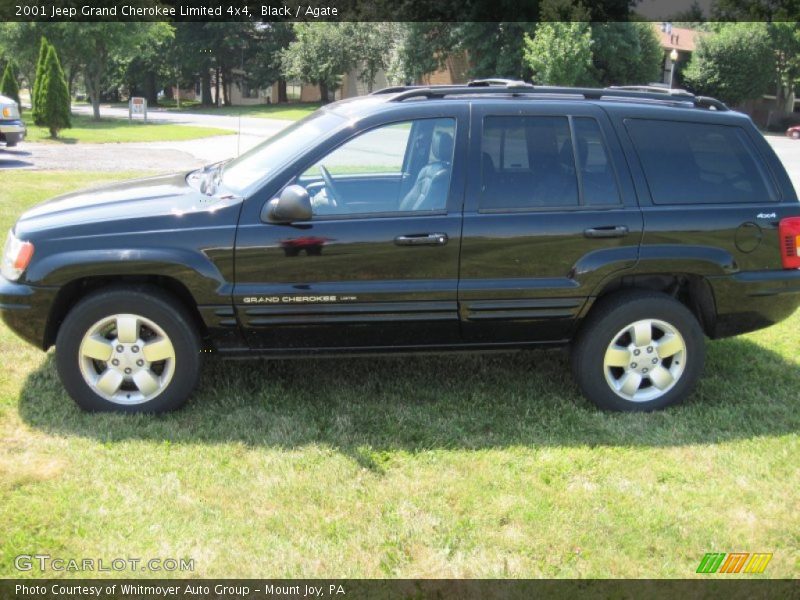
(137, 106)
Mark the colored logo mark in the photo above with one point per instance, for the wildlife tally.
(734, 562)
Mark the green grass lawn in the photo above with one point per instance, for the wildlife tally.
(444, 466)
(293, 111)
(107, 130)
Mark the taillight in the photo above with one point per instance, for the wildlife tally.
(789, 233)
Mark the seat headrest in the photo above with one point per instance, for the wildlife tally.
(442, 146)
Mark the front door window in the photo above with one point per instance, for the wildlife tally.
(399, 168)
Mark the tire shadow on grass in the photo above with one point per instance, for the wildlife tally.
(425, 402)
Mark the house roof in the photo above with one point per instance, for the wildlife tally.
(680, 38)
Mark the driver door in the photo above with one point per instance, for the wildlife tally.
(377, 265)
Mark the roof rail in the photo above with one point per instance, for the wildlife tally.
(520, 88)
(651, 88)
(509, 83)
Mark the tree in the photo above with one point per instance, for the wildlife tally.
(266, 67)
(785, 42)
(625, 53)
(320, 55)
(44, 47)
(22, 41)
(9, 86)
(690, 17)
(107, 48)
(54, 96)
(560, 53)
(736, 64)
(421, 49)
(373, 44)
(495, 49)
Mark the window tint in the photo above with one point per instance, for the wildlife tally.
(597, 174)
(698, 163)
(403, 167)
(527, 162)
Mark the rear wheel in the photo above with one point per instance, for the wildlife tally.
(639, 351)
(128, 350)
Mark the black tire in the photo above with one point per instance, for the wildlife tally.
(146, 302)
(606, 320)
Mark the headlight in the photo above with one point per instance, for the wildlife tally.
(17, 256)
(10, 111)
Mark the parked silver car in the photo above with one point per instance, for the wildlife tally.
(12, 129)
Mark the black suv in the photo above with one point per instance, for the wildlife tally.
(627, 223)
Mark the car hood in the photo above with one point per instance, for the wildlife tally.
(167, 198)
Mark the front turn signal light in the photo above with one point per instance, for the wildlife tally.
(17, 256)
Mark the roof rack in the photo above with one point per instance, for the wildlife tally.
(517, 88)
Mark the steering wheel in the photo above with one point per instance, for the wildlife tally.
(333, 194)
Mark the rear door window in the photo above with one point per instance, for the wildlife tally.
(527, 163)
(699, 163)
(599, 182)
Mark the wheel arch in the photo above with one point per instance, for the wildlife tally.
(691, 290)
(72, 292)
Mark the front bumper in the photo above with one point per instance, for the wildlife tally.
(12, 131)
(754, 300)
(25, 309)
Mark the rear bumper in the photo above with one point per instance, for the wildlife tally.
(25, 310)
(12, 131)
(753, 300)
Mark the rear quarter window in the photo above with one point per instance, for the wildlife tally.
(699, 163)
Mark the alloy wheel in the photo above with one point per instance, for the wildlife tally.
(645, 360)
(126, 359)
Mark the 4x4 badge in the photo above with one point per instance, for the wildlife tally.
(766, 216)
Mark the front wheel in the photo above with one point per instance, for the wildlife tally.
(128, 350)
(639, 351)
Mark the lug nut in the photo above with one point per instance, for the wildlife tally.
(140, 363)
(644, 370)
(649, 349)
(127, 370)
(134, 348)
(633, 365)
(115, 362)
(655, 360)
(636, 352)
(120, 349)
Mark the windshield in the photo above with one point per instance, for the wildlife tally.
(269, 156)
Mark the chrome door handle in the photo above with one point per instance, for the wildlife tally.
(606, 232)
(421, 239)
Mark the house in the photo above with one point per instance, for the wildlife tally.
(678, 43)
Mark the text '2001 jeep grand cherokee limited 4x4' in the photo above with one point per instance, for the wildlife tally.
(629, 224)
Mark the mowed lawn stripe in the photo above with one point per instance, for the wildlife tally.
(114, 131)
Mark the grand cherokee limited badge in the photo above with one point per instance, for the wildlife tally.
(295, 299)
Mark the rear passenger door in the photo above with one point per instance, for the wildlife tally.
(550, 212)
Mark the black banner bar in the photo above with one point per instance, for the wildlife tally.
(729, 588)
(389, 10)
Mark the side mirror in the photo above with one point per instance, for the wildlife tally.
(292, 205)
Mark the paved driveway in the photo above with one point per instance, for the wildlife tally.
(788, 151)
